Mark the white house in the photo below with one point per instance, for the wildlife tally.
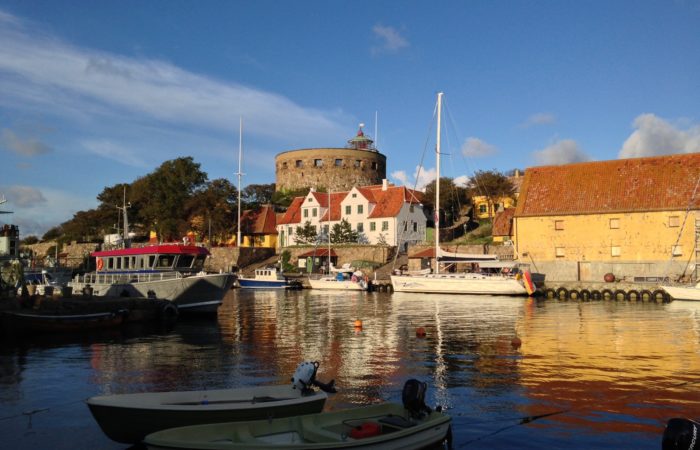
(381, 213)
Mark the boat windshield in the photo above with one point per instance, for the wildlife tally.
(165, 261)
(185, 261)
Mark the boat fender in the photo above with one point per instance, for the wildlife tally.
(365, 430)
(413, 397)
(169, 311)
(681, 434)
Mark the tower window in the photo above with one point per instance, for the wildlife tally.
(299, 163)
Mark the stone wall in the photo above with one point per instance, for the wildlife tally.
(340, 169)
(227, 258)
(75, 252)
(380, 254)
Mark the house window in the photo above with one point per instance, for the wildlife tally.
(558, 224)
(559, 252)
(359, 209)
(373, 226)
(411, 208)
(358, 163)
(482, 208)
(614, 224)
(339, 162)
(325, 229)
(318, 162)
(677, 250)
(310, 199)
(348, 210)
(354, 195)
(314, 213)
(360, 227)
(299, 163)
(415, 226)
(385, 225)
(405, 226)
(306, 213)
(674, 221)
(615, 250)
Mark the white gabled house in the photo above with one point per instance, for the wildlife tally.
(382, 213)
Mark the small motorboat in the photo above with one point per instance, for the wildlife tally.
(128, 418)
(384, 426)
(267, 278)
(36, 322)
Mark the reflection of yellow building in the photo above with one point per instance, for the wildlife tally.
(258, 228)
(481, 202)
(580, 221)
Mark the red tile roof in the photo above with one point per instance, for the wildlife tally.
(336, 199)
(259, 221)
(293, 214)
(503, 223)
(659, 183)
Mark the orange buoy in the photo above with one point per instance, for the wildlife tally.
(420, 332)
(516, 342)
(358, 323)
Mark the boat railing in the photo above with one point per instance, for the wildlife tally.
(123, 278)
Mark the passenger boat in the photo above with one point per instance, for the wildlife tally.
(383, 426)
(683, 292)
(340, 279)
(512, 282)
(34, 323)
(128, 418)
(268, 278)
(166, 271)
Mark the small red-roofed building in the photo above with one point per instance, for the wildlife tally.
(635, 218)
(259, 227)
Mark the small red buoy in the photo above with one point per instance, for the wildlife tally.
(358, 323)
(516, 342)
(420, 332)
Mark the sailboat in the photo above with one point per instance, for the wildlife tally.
(496, 277)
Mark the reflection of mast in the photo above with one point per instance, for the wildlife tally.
(239, 173)
(440, 365)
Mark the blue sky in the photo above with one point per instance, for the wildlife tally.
(98, 93)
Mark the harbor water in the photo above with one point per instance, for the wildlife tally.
(514, 373)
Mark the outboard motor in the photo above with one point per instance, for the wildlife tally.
(413, 397)
(305, 378)
(681, 434)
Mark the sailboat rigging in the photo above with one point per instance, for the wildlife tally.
(508, 280)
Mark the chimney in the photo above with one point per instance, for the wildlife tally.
(385, 184)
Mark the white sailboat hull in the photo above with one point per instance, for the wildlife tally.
(464, 283)
(691, 293)
(335, 285)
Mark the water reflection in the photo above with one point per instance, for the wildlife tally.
(614, 372)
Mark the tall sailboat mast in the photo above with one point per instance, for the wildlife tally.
(240, 159)
(437, 185)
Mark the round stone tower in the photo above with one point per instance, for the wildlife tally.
(337, 169)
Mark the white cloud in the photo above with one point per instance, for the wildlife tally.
(561, 152)
(656, 136)
(390, 40)
(113, 151)
(36, 210)
(28, 146)
(461, 181)
(44, 73)
(424, 176)
(24, 196)
(475, 147)
(539, 119)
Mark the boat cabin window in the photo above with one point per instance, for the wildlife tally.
(119, 263)
(151, 261)
(110, 263)
(199, 262)
(185, 261)
(164, 261)
(127, 262)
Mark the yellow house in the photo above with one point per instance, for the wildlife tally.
(259, 227)
(635, 218)
(481, 203)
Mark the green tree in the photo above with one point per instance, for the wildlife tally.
(306, 234)
(452, 198)
(282, 199)
(162, 195)
(343, 233)
(491, 184)
(213, 207)
(256, 195)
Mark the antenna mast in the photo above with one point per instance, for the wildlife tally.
(239, 173)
